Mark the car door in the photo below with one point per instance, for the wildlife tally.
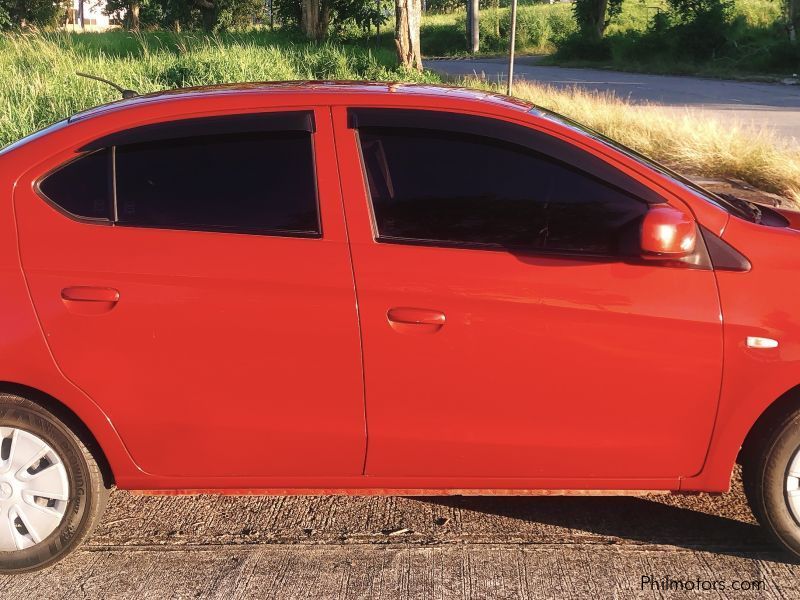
(193, 278)
(510, 327)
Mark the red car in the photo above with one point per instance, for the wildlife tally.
(378, 289)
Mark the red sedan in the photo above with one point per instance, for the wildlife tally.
(378, 289)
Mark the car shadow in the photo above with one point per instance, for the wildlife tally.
(626, 519)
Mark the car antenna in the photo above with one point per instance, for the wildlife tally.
(125, 93)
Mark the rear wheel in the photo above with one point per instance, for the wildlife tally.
(771, 474)
(52, 491)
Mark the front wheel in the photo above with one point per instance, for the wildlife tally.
(52, 491)
(771, 477)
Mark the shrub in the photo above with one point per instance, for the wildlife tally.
(532, 28)
(561, 25)
(580, 47)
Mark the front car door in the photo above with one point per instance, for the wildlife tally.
(193, 278)
(510, 328)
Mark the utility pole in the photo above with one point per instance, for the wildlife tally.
(474, 26)
(511, 46)
(469, 24)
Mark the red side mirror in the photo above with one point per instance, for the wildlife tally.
(668, 232)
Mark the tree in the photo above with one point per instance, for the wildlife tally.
(316, 16)
(792, 15)
(211, 15)
(593, 15)
(126, 11)
(40, 13)
(133, 15)
(408, 14)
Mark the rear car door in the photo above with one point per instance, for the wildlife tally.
(193, 278)
(510, 327)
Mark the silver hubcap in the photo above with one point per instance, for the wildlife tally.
(34, 489)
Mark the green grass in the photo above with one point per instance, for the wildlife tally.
(38, 86)
(752, 43)
(539, 26)
(755, 41)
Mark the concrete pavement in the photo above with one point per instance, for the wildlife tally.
(768, 105)
(389, 548)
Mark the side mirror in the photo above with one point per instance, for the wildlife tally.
(668, 232)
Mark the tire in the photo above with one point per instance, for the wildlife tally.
(68, 473)
(765, 474)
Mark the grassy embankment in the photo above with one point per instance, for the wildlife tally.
(38, 87)
(753, 43)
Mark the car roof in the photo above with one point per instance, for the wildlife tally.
(312, 88)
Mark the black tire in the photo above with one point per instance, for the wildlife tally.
(87, 490)
(764, 471)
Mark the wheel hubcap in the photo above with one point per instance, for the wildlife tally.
(34, 489)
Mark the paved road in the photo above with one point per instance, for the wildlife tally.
(392, 548)
(762, 104)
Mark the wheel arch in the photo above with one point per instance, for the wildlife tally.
(762, 427)
(70, 418)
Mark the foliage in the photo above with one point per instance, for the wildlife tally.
(539, 27)
(690, 10)
(5, 18)
(444, 6)
(646, 35)
(344, 14)
(593, 16)
(38, 13)
(361, 13)
(715, 37)
(211, 15)
(288, 12)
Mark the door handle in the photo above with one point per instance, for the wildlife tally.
(416, 320)
(89, 300)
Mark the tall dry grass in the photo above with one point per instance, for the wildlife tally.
(691, 142)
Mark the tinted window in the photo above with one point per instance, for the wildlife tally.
(458, 188)
(261, 182)
(82, 187)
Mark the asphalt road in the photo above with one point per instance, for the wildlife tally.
(767, 105)
(391, 548)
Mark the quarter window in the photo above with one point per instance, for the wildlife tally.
(82, 187)
(452, 188)
(251, 182)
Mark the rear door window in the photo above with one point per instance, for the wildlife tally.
(261, 182)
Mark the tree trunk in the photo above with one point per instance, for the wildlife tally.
(315, 18)
(133, 20)
(600, 17)
(408, 14)
(792, 19)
